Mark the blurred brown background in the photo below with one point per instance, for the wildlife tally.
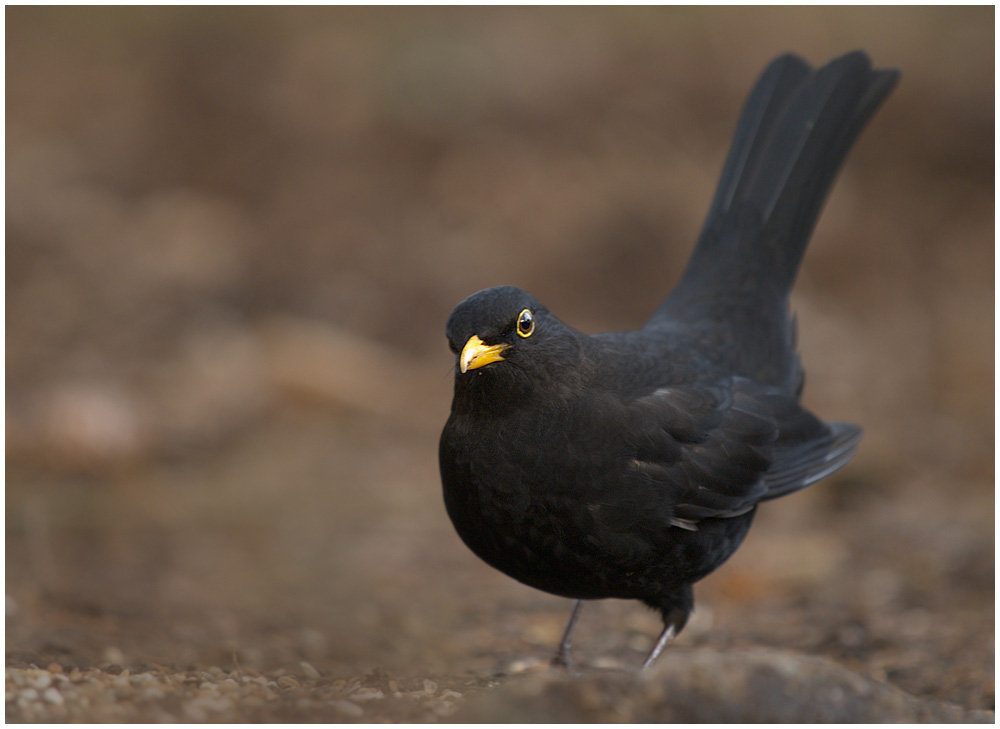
(233, 239)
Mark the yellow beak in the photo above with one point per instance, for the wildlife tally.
(477, 353)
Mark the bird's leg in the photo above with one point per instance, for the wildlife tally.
(675, 606)
(665, 637)
(562, 657)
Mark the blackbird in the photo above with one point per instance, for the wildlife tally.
(630, 464)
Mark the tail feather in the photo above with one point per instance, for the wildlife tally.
(763, 107)
(795, 131)
(809, 148)
(798, 467)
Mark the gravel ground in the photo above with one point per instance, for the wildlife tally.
(116, 695)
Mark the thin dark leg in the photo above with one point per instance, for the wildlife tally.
(562, 657)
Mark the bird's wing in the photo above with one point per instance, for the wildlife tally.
(718, 450)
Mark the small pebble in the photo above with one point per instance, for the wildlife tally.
(430, 687)
(228, 686)
(367, 694)
(113, 655)
(288, 682)
(309, 670)
(608, 663)
(521, 665)
(53, 696)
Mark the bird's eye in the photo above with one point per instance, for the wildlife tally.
(525, 323)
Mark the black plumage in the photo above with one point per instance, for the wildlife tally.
(630, 464)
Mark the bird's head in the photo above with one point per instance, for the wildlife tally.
(505, 338)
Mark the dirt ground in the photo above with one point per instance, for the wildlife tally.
(233, 239)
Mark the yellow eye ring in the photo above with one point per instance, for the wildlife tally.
(525, 323)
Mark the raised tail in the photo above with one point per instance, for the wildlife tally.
(795, 131)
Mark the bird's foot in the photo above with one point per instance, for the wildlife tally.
(562, 659)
